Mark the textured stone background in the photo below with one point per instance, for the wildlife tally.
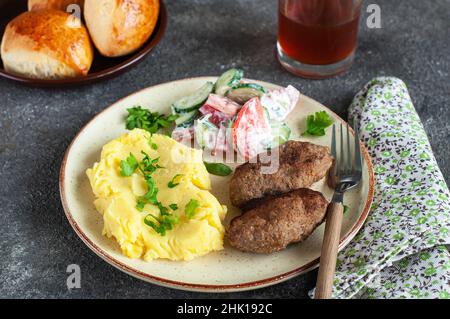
(204, 37)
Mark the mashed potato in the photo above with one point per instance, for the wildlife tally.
(116, 199)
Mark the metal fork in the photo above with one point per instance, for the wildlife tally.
(343, 176)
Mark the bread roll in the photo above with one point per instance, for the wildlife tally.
(46, 44)
(119, 27)
(53, 4)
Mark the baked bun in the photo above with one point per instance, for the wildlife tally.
(46, 44)
(119, 27)
(53, 4)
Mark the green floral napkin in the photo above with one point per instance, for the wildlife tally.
(400, 252)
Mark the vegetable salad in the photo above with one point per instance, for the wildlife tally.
(235, 115)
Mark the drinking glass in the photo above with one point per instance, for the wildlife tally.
(317, 38)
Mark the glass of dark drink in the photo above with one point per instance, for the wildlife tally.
(317, 38)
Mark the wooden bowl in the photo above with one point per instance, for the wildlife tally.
(102, 67)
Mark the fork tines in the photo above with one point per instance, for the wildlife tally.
(345, 165)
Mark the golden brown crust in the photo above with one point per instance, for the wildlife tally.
(300, 165)
(277, 221)
(125, 26)
(53, 4)
(51, 32)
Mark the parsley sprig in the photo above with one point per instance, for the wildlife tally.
(317, 123)
(147, 166)
(147, 120)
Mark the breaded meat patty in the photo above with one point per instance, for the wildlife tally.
(300, 165)
(276, 221)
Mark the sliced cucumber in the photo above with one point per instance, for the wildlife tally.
(205, 132)
(227, 80)
(285, 132)
(281, 133)
(194, 101)
(243, 92)
(186, 119)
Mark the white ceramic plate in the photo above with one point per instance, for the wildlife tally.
(228, 270)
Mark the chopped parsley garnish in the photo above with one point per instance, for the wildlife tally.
(147, 166)
(317, 123)
(163, 223)
(172, 183)
(190, 208)
(152, 145)
(149, 197)
(147, 120)
(140, 204)
(128, 166)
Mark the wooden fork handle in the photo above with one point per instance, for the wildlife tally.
(330, 244)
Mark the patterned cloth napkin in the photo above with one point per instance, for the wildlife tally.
(400, 252)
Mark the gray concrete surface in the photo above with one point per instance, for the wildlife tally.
(204, 37)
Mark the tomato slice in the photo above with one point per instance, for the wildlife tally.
(223, 104)
(217, 117)
(181, 134)
(251, 129)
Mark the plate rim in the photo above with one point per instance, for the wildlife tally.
(207, 287)
(115, 70)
